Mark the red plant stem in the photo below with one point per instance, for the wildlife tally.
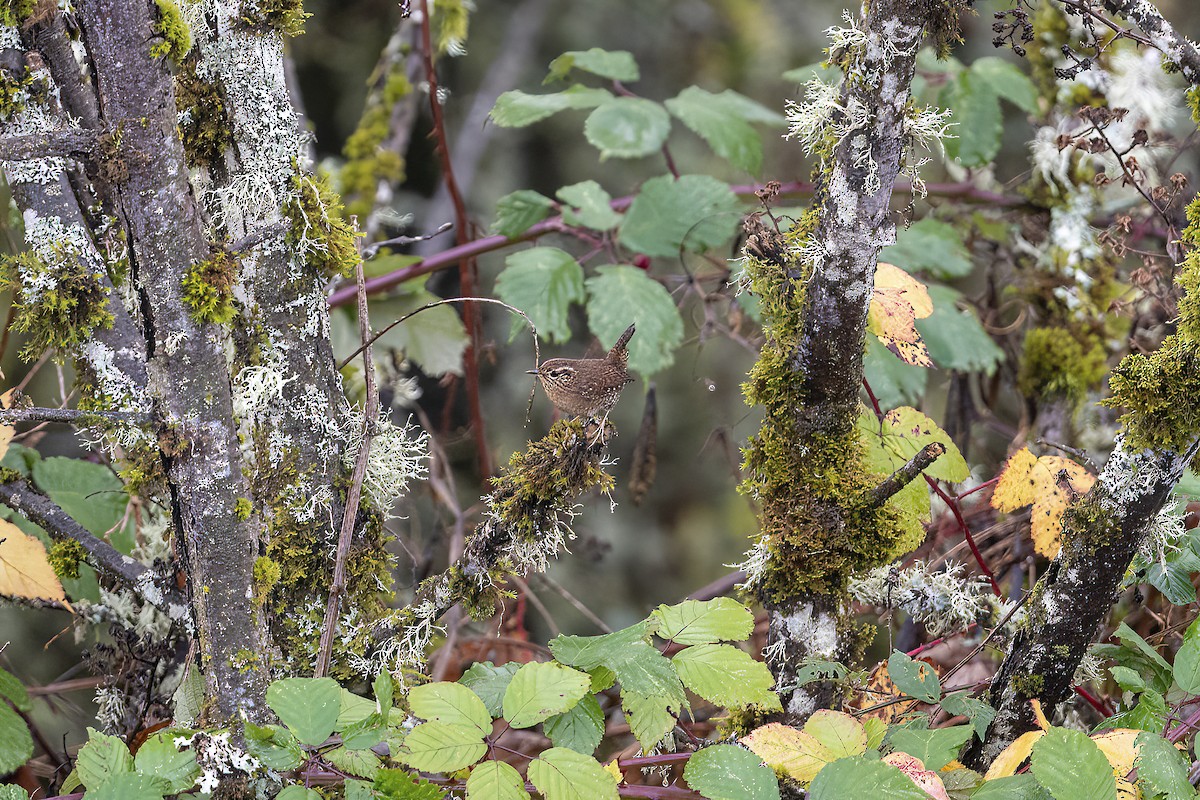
(638, 762)
(972, 491)
(1094, 702)
(657, 792)
(466, 266)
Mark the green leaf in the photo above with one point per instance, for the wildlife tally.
(936, 748)
(1071, 766)
(930, 245)
(561, 774)
(90, 494)
(434, 339)
(16, 743)
(1014, 787)
(589, 652)
(360, 762)
(1161, 768)
(12, 689)
(307, 706)
(519, 211)
(900, 435)
(159, 757)
(642, 669)
(697, 622)
(619, 295)
(543, 282)
(980, 123)
(1174, 577)
(820, 69)
(366, 733)
(11, 791)
(627, 127)
(1150, 714)
(384, 690)
(692, 212)
(955, 338)
(451, 703)
(876, 729)
(616, 65)
(726, 676)
(894, 382)
(862, 776)
(353, 709)
(540, 690)
(495, 780)
(978, 712)
(489, 682)
(715, 121)
(1128, 679)
(99, 759)
(726, 772)
(1187, 666)
(274, 746)
(915, 678)
(129, 786)
(396, 784)
(650, 716)
(1007, 82)
(580, 728)
(587, 204)
(298, 792)
(438, 747)
(516, 109)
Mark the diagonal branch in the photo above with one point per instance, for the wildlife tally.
(33, 146)
(1179, 49)
(906, 474)
(41, 510)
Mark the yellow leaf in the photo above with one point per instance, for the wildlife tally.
(24, 569)
(1048, 484)
(6, 431)
(926, 780)
(785, 749)
(612, 769)
(1014, 755)
(1039, 715)
(898, 301)
(1118, 747)
(841, 733)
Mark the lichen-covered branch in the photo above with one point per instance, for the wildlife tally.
(1175, 47)
(50, 144)
(907, 473)
(37, 508)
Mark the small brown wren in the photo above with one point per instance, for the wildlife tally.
(587, 387)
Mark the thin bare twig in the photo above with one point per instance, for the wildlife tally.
(574, 601)
(9, 416)
(906, 474)
(370, 413)
(62, 144)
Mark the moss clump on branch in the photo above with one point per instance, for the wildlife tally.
(367, 162)
(204, 124)
(176, 36)
(1059, 364)
(14, 12)
(285, 17)
(65, 557)
(58, 304)
(208, 287)
(318, 228)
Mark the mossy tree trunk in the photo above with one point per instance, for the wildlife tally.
(819, 524)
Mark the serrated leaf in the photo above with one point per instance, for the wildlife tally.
(360, 762)
(862, 776)
(540, 690)
(801, 754)
(1048, 484)
(519, 211)
(396, 784)
(496, 780)
(897, 301)
(893, 382)
(580, 728)
(980, 124)
(588, 205)
(16, 742)
(25, 570)
(489, 682)
(978, 712)
(916, 679)
(298, 792)
(159, 757)
(726, 772)
(307, 706)
(100, 758)
(619, 295)
(929, 245)
(1070, 766)
(715, 121)
(438, 747)
(617, 65)
(434, 339)
(274, 746)
(726, 676)
(900, 435)
(589, 652)
(1162, 768)
(1007, 82)
(128, 786)
(543, 282)
(1187, 666)
(650, 717)
(1014, 787)
(955, 338)
(15, 691)
(451, 703)
(561, 774)
(934, 748)
(365, 733)
(692, 212)
(516, 109)
(704, 622)
(627, 127)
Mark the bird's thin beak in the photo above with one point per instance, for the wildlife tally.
(532, 372)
